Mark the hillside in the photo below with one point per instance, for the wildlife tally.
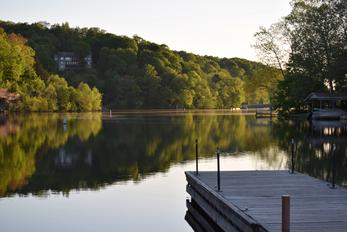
(23, 88)
(135, 73)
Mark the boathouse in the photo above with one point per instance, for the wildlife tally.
(327, 100)
(327, 105)
(7, 97)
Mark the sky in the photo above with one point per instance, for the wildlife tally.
(222, 28)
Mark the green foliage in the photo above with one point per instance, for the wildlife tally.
(229, 91)
(135, 73)
(292, 91)
(18, 74)
(87, 99)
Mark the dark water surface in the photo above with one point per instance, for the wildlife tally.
(126, 172)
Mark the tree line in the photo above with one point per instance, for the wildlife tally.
(309, 46)
(135, 73)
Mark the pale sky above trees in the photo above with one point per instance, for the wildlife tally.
(223, 28)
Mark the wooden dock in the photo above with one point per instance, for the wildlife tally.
(265, 114)
(251, 201)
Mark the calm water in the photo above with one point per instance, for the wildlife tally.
(126, 172)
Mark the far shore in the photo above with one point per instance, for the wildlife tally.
(179, 111)
(163, 112)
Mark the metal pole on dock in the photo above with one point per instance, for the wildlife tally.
(292, 148)
(218, 170)
(334, 165)
(197, 157)
(285, 213)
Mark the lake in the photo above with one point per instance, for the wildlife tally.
(125, 171)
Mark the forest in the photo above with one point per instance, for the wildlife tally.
(304, 52)
(135, 73)
(47, 92)
(309, 46)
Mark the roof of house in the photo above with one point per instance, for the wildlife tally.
(69, 54)
(8, 96)
(326, 96)
(65, 54)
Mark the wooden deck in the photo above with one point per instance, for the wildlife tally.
(265, 114)
(251, 201)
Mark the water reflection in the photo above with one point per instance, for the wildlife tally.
(315, 142)
(27, 139)
(38, 154)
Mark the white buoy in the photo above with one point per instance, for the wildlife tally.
(64, 123)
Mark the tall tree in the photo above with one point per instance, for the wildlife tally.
(319, 39)
(273, 45)
(316, 35)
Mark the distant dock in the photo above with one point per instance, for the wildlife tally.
(251, 201)
(265, 114)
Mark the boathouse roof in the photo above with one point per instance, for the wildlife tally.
(65, 54)
(8, 96)
(326, 97)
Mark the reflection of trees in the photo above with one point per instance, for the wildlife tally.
(34, 134)
(314, 148)
(131, 148)
(37, 154)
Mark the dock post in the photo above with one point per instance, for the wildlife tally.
(334, 165)
(292, 148)
(196, 157)
(218, 170)
(285, 213)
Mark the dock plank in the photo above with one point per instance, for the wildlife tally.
(314, 205)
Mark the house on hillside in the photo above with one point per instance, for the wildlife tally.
(7, 97)
(69, 60)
